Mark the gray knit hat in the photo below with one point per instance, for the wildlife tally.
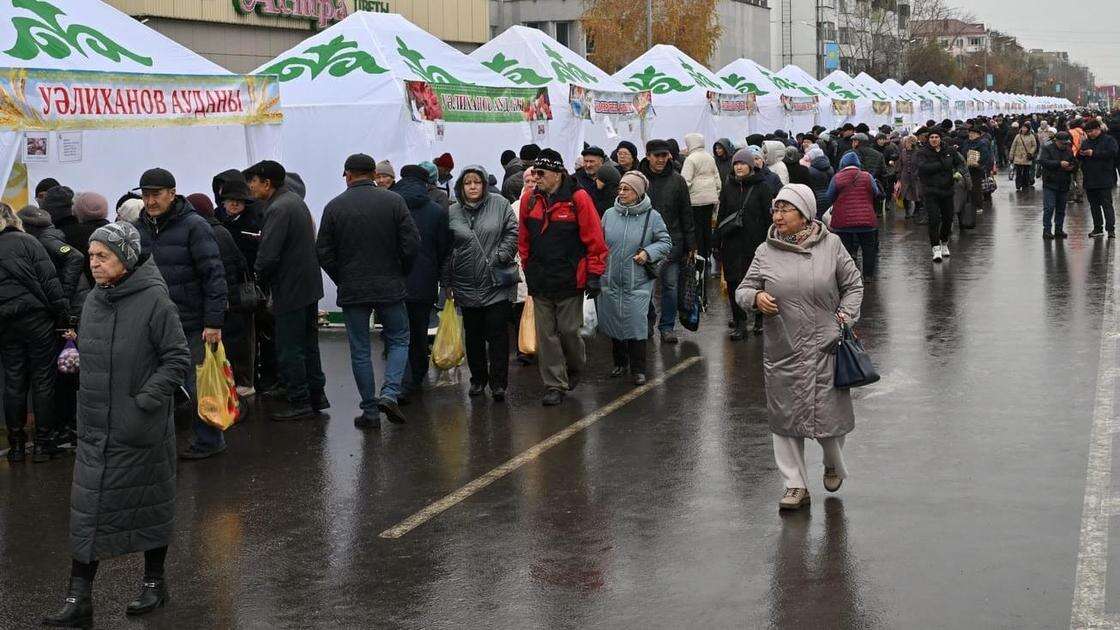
(636, 180)
(801, 197)
(384, 167)
(123, 239)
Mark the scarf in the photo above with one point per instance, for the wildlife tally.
(798, 238)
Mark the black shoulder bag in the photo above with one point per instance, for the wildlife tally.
(653, 269)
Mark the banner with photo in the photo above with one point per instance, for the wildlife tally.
(843, 108)
(927, 105)
(721, 104)
(904, 107)
(881, 108)
(594, 105)
(444, 102)
(800, 103)
(52, 100)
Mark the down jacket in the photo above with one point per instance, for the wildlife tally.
(560, 240)
(435, 243)
(774, 152)
(134, 358)
(700, 172)
(182, 245)
(483, 236)
(623, 306)
(68, 261)
(811, 282)
(1023, 149)
(367, 244)
(28, 280)
(936, 168)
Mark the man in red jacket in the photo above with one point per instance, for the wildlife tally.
(563, 253)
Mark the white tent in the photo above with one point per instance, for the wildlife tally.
(793, 77)
(92, 97)
(344, 93)
(900, 96)
(680, 87)
(844, 86)
(749, 77)
(529, 57)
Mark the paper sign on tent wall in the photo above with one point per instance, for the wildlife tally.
(69, 146)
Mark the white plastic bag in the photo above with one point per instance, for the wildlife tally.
(590, 318)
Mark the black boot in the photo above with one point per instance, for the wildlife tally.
(153, 595)
(319, 401)
(45, 448)
(17, 441)
(77, 611)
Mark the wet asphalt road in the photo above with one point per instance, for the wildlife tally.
(963, 508)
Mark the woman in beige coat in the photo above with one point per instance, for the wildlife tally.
(804, 283)
(1024, 148)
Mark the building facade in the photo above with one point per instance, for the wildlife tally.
(240, 35)
(746, 32)
(958, 37)
(804, 33)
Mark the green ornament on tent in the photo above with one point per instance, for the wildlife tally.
(743, 85)
(566, 71)
(508, 68)
(414, 59)
(699, 77)
(656, 82)
(47, 36)
(338, 57)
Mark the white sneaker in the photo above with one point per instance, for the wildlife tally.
(936, 253)
(945, 250)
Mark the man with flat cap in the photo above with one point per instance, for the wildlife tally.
(184, 249)
(288, 267)
(367, 243)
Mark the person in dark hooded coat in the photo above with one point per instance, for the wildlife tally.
(606, 184)
(134, 358)
(741, 226)
(59, 203)
(423, 280)
(68, 261)
(722, 151)
(798, 172)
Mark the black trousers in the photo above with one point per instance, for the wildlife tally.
(1023, 176)
(630, 352)
(268, 374)
(28, 350)
(297, 343)
(868, 242)
(1100, 203)
(419, 316)
(976, 193)
(940, 211)
(702, 224)
(486, 332)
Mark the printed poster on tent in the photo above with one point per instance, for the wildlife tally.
(881, 108)
(54, 100)
(720, 104)
(904, 107)
(595, 105)
(843, 108)
(799, 104)
(442, 102)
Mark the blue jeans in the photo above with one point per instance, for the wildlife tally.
(206, 436)
(670, 276)
(1053, 208)
(394, 320)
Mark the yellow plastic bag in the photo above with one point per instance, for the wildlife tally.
(217, 392)
(527, 333)
(448, 350)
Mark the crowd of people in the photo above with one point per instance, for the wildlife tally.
(141, 297)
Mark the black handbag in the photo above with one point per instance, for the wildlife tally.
(246, 297)
(505, 277)
(853, 365)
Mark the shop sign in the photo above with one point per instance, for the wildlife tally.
(322, 12)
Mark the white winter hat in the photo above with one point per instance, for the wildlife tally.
(802, 198)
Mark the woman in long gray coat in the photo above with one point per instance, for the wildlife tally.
(483, 275)
(804, 283)
(636, 236)
(134, 358)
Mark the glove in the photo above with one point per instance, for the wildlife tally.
(594, 287)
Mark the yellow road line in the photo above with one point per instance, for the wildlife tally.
(434, 509)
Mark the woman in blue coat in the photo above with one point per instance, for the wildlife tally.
(636, 239)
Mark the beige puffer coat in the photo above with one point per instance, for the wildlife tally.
(700, 172)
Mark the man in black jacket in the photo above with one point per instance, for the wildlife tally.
(1098, 155)
(1058, 164)
(367, 244)
(288, 268)
(937, 170)
(668, 192)
(183, 247)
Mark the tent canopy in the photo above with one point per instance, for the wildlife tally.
(843, 86)
(749, 77)
(88, 42)
(530, 57)
(672, 76)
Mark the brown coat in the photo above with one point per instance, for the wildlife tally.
(1023, 149)
(810, 282)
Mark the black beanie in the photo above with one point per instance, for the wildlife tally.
(46, 185)
(529, 152)
(507, 156)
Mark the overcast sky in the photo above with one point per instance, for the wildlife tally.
(1085, 28)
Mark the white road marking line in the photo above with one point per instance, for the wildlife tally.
(535, 451)
(1089, 592)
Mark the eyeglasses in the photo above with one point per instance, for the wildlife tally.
(777, 209)
(537, 172)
